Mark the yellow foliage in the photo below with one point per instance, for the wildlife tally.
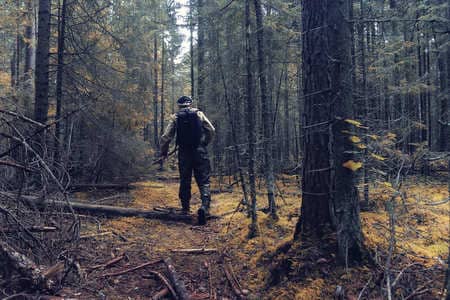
(391, 136)
(352, 165)
(353, 122)
(377, 157)
(361, 146)
(354, 139)
(373, 137)
(5, 79)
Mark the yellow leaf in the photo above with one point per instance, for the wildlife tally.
(373, 137)
(352, 165)
(391, 136)
(378, 157)
(355, 139)
(361, 146)
(353, 122)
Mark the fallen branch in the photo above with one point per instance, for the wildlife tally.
(150, 263)
(169, 287)
(104, 186)
(196, 251)
(31, 229)
(88, 236)
(179, 286)
(109, 263)
(24, 266)
(14, 165)
(161, 294)
(112, 210)
(234, 282)
(212, 290)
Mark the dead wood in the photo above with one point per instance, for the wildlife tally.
(131, 269)
(212, 290)
(161, 294)
(196, 251)
(234, 282)
(175, 280)
(31, 229)
(108, 263)
(14, 165)
(113, 210)
(11, 258)
(104, 186)
(168, 285)
(94, 235)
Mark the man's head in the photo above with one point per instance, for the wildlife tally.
(184, 101)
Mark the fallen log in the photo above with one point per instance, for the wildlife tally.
(104, 186)
(108, 264)
(24, 266)
(113, 210)
(179, 286)
(36, 229)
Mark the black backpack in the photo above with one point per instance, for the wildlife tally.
(189, 129)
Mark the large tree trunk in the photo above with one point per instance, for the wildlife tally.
(330, 198)
(266, 112)
(344, 195)
(250, 116)
(42, 62)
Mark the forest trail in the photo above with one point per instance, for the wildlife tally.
(142, 240)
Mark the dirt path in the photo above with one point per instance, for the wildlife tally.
(143, 240)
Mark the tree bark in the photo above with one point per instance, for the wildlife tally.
(155, 93)
(250, 124)
(59, 76)
(200, 54)
(266, 112)
(330, 198)
(42, 62)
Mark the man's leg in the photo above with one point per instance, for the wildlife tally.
(185, 169)
(202, 170)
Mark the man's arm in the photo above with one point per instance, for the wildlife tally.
(208, 127)
(168, 135)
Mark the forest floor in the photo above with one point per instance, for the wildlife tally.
(269, 266)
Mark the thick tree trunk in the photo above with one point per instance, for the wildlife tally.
(330, 198)
(250, 116)
(42, 62)
(344, 195)
(191, 44)
(266, 112)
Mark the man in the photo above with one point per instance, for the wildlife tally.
(193, 133)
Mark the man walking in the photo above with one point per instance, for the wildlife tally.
(193, 133)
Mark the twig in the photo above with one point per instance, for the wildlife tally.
(109, 263)
(196, 251)
(166, 283)
(161, 294)
(180, 288)
(88, 236)
(150, 263)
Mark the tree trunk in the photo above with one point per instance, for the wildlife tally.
(59, 76)
(42, 62)
(191, 41)
(266, 112)
(330, 198)
(250, 116)
(155, 92)
(200, 54)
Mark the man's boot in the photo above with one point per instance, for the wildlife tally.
(203, 212)
(185, 207)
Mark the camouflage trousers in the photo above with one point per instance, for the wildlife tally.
(194, 161)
